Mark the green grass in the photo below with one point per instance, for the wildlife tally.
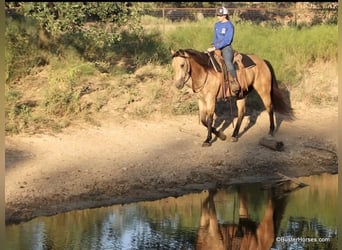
(289, 49)
(135, 73)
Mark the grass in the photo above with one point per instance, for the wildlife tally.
(135, 79)
(289, 49)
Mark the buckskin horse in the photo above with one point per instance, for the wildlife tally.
(245, 233)
(196, 68)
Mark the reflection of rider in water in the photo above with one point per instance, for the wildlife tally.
(247, 234)
(223, 38)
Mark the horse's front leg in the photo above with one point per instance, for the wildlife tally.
(241, 105)
(209, 123)
(207, 109)
(206, 118)
(212, 130)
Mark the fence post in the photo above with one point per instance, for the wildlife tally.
(163, 19)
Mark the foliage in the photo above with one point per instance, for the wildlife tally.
(289, 49)
(21, 45)
(91, 28)
(229, 4)
(198, 36)
(103, 20)
(100, 51)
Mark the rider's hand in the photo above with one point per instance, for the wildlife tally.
(211, 49)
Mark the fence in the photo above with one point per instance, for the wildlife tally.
(282, 16)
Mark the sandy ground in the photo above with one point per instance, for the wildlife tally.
(129, 160)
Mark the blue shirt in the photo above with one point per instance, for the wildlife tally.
(224, 34)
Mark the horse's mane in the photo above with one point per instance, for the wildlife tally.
(200, 57)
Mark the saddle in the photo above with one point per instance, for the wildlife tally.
(240, 62)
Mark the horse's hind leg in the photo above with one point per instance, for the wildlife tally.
(241, 105)
(271, 117)
(219, 134)
(266, 99)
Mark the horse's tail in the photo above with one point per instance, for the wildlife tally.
(280, 98)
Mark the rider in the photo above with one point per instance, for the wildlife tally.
(223, 38)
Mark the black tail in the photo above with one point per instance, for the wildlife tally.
(280, 98)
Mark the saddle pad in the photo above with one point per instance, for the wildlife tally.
(247, 61)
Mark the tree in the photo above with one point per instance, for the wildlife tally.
(104, 21)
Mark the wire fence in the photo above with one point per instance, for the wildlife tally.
(281, 16)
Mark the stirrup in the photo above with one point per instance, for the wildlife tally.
(235, 88)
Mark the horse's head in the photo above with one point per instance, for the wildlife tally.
(181, 68)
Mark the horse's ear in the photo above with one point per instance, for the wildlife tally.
(186, 54)
(172, 52)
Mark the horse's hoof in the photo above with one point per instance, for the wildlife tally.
(206, 144)
(222, 136)
(234, 139)
(270, 135)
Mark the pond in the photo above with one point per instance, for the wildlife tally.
(282, 215)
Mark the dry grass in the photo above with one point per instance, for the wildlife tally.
(144, 94)
(319, 85)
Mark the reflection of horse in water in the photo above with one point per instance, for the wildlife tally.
(247, 234)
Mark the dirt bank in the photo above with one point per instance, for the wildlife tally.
(128, 160)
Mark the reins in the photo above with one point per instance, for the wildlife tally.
(192, 85)
(203, 84)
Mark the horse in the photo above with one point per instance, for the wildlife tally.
(195, 68)
(244, 233)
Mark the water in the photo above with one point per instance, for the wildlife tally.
(299, 218)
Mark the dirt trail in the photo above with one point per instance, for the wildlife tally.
(142, 160)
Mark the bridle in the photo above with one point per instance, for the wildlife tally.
(189, 76)
(188, 69)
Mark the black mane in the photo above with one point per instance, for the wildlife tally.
(200, 57)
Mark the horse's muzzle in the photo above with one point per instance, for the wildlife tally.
(179, 83)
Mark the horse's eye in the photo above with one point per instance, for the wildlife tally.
(182, 65)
